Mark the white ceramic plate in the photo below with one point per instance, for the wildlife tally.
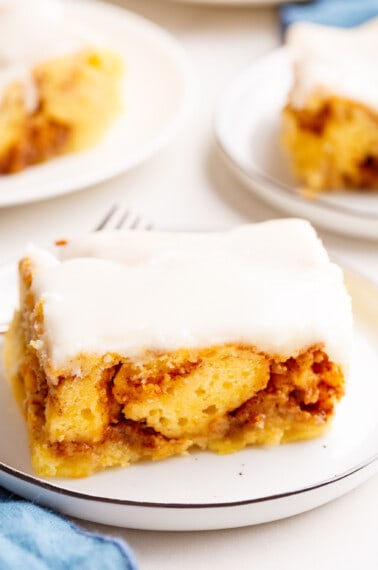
(247, 130)
(208, 491)
(159, 89)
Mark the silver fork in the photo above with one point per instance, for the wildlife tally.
(115, 218)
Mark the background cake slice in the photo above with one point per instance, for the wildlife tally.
(330, 122)
(60, 89)
(140, 345)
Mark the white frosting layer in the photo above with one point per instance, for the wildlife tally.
(270, 285)
(335, 61)
(32, 31)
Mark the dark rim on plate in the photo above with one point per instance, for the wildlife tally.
(82, 496)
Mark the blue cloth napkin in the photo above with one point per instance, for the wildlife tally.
(343, 13)
(35, 538)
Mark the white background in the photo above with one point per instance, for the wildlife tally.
(186, 186)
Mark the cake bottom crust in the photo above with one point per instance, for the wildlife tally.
(332, 143)
(220, 398)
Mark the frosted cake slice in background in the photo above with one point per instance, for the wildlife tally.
(330, 122)
(60, 90)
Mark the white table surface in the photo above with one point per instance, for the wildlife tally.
(186, 186)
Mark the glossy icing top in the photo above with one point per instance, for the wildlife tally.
(334, 61)
(270, 284)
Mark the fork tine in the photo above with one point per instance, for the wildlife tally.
(115, 219)
(135, 223)
(122, 220)
(101, 225)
